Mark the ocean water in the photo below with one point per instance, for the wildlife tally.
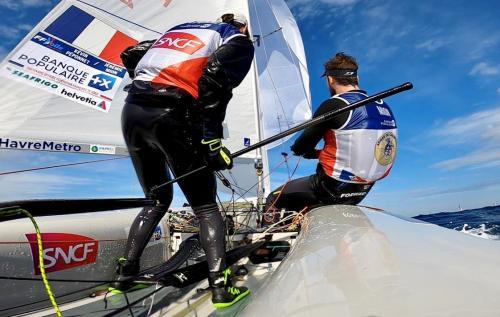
(482, 222)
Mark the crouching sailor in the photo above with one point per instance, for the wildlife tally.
(359, 146)
(173, 116)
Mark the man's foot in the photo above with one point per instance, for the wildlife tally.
(224, 294)
(127, 270)
(132, 287)
(223, 297)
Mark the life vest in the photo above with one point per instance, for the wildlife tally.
(363, 150)
(178, 57)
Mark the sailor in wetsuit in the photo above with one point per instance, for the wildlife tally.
(173, 117)
(359, 146)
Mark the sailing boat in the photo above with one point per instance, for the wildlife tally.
(62, 91)
(347, 260)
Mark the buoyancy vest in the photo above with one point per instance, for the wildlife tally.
(363, 150)
(178, 57)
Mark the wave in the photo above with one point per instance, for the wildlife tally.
(483, 231)
(482, 222)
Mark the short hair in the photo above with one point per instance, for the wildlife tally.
(343, 61)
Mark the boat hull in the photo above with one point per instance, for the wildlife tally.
(352, 261)
(76, 247)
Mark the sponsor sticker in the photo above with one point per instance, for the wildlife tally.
(102, 149)
(9, 143)
(383, 111)
(180, 41)
(347, 195)
(156, 234)
(156, 237)
(102, 82)
(62, 251)
(385, 149)
(49, 41)
(49, 64)
(246, 141)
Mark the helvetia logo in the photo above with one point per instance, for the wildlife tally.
(62, 251)
(102, 82)
(180, 41)
(74, 95)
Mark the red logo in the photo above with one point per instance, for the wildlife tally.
(62, 251)
(183, 42)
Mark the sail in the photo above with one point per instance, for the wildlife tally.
(283, 80)
(61, 88)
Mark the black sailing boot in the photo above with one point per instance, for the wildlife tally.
(224, 294)
(127, 270)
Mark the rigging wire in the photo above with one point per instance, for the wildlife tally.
(61, 165)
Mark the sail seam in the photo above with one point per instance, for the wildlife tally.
(119, 17)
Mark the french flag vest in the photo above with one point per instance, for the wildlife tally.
(363, 150)
(177, 58)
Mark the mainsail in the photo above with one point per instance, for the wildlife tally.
(62, 86)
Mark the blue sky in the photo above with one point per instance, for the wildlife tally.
(449, 124)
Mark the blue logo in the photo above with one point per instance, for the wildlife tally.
(156, 234)
(246, 141)
(48, 41)
(102, 82)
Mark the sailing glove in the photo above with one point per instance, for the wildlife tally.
(310, 154)
(217, 156)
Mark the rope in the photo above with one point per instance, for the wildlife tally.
(15, 211)
(62, 165)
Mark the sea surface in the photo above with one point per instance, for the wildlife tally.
(482, 222)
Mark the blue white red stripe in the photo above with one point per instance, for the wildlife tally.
(85, 31)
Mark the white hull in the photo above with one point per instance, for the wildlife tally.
(106, 234)
(347, 261)
(351, 261)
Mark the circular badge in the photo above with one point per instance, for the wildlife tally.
(385, 149)
(94, 148)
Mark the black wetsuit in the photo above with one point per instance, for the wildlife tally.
(163, 127)
(319, 188)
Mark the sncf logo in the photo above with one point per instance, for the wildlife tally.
(62, 251)
(183, 42)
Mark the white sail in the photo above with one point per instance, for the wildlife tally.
(61, 88)
(283, 83)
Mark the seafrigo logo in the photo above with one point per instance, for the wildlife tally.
(180, 41)
(62, 251)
